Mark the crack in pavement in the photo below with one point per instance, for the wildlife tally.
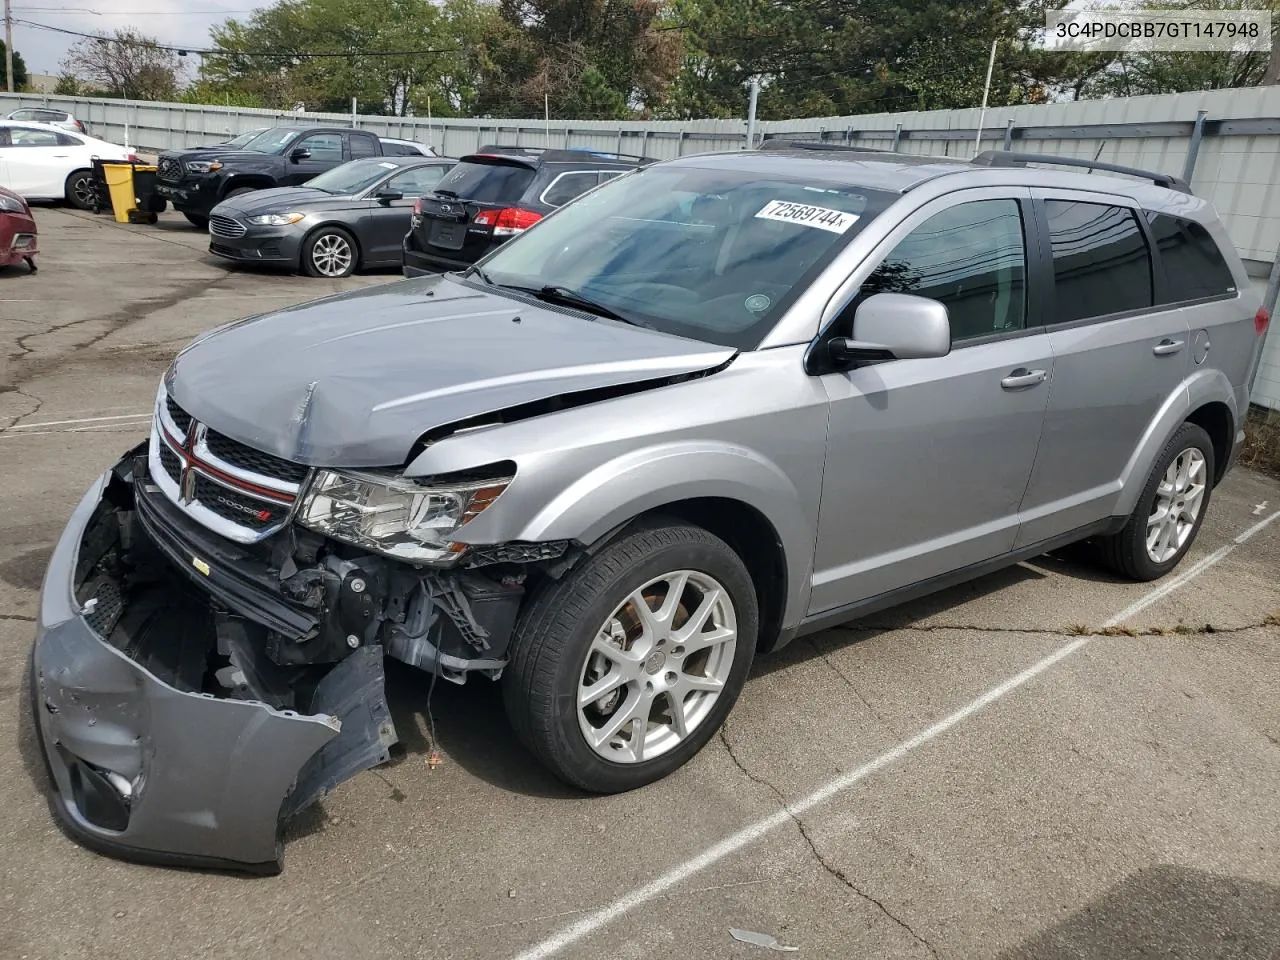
(115, 321)
(18, 617)
(826, 865)
(831, 665)
(1071, 631)
(22, 416)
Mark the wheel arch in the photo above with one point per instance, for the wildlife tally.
(750, 535)
(251, 180)
(1216, 419)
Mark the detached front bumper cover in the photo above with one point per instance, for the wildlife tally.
(145, 771)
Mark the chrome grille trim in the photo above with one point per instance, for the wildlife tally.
(169, 169)
(165, 431)
(220, 226)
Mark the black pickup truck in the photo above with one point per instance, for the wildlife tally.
(195, 181)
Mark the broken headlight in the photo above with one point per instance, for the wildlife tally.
(395, 516)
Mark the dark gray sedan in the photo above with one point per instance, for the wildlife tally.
(355, 215)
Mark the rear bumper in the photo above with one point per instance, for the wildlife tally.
(146, 770)
(17, 238)
(418, 264)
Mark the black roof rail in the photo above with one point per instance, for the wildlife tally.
(781, 143)
(1012, 158)
(559, 153)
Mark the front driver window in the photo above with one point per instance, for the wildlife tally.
(970, 257)
(416, 183)
(325, 147)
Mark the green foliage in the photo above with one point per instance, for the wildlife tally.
(20, 78)
(125, 64)
(206, 91)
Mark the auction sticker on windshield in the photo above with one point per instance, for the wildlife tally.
(824, 218)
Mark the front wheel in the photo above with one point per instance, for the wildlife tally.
(81, 193)
(329, 252)
(197, 220)
(623, 669)
(1170, 511)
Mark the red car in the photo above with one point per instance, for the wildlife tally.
(17, 231)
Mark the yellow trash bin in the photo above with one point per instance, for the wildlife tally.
(119, 178)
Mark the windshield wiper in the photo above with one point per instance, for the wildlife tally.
(477, 272)
(554, 293)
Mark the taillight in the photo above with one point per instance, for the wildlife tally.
(1261, 320)
(133, 158)
(508, 221)
(417, 207)
(80, 127)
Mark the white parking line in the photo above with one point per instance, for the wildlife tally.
(753, 832)
(58, 423)
(129, 426)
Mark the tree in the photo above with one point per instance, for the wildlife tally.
(324, 52)
(126, 64)
(20, 78)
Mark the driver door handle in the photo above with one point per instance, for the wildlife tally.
(1022, 377)
(1166, 347)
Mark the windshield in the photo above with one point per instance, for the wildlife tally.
(243, 139)
(271, 141)
(714, 255)
(487, 182)
(352, 177)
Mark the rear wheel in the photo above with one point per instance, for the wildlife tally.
(197, 220)
(1170, 511)
(329, 252)
(81, 192)
(623, 669)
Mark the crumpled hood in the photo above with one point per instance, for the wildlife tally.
(355, 380)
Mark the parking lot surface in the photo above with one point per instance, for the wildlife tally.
(1044, 763)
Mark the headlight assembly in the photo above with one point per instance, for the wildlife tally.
(203, 166)
(395, 516)
(276, 219)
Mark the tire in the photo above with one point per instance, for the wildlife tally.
(198, 220)
(80, 189)
(238, 191)
(1128, 552)
(330, 252)
(554, 653)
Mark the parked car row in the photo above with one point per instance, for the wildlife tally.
(40, 161)
(426, 214)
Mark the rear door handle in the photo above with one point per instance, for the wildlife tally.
(1022, 377)
(1166, 347)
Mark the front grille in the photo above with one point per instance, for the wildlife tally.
(241, 493)
(255, 461)
(181, 419)
(241, 509)
(169, 460)
(220, 226)
(167, 168)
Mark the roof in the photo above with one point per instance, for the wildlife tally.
(899, 173)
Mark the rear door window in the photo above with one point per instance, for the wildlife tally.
(1194, 268)
(1101, 263)
(566, 186)
(363, 145)
(487, 181)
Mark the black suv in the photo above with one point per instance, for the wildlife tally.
(496, 193)
(195, 181)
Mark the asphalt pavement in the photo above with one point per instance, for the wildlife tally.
(1044, 763)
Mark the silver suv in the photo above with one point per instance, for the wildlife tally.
(713, 405)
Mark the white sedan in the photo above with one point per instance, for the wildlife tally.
(43, 162)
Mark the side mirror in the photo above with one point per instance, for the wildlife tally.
(299, 153)
(894, 326)
(384, 197)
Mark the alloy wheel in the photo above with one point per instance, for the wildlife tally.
(332, 255)
(82, 192)
(657, 666)
(1179, 498)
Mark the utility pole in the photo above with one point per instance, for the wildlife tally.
(751, 112)
(986, 90)
(8, 43)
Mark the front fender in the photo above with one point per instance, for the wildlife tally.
(1204, 386)
(613, 493)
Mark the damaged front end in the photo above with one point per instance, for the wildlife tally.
(193, 693)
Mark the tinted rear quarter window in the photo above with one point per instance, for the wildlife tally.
(1101, 264)
(569, 184)
(1194, 267)
(487, 181)
(363, 146)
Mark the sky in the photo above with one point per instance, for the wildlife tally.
(177, 22)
